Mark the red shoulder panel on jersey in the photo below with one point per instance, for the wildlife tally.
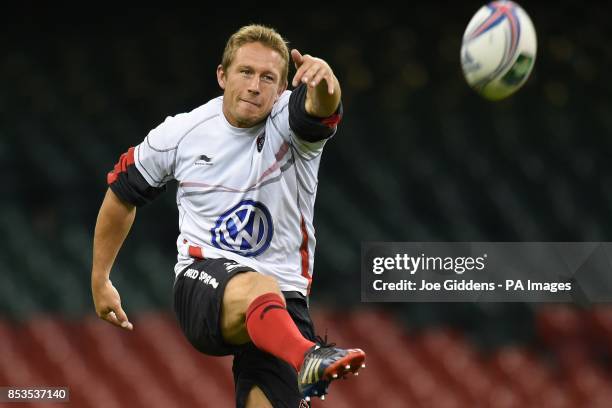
(128, 184)
(125, 160)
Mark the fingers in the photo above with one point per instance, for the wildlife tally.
(303, 63)
(112, 318)
(108, 305)
(310, 76)
(311, 71)
(125, 323)
(323, 75)
(116, 316)
(314, 76)
(297, 58)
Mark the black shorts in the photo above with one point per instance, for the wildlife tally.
(198, 296)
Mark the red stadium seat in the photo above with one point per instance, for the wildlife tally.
(600, 320)
(436, 368)
(121, 360)
(193, 375)
(555, 396)
(16, 366)
(587, 380)
(504, 397)
(380, 373)
(559, 324)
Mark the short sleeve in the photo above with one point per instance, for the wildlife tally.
(141, 173)
(155, 156)
(305, 133)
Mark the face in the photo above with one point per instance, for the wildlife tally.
(251, 84)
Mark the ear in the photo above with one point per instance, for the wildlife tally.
(221, 76)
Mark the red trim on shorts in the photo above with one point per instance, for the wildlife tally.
(126, 159)
(304, 255)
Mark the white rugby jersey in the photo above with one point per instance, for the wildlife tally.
(246, 194)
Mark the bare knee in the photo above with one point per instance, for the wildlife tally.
(257, 399)
(243, 288)
(240, 291)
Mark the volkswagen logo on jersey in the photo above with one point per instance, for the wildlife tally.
(245, 229)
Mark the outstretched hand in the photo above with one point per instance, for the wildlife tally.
(108, 305)
(311, 71)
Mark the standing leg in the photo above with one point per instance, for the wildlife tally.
(257, 399)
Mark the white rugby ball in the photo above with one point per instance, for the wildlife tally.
(498, 50)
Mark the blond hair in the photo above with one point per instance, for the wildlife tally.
(257, 33)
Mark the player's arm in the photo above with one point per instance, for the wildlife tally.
(128, 189)
(323, 89)
(114, 222)
(315, 107)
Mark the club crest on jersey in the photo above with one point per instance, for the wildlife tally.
(261, 139)
(245, 229)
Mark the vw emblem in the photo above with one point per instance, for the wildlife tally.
(245, 229)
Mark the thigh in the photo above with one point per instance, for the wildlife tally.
(276, 379)
(198, 296)
(257, 399)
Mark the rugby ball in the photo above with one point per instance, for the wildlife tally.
(498, 49)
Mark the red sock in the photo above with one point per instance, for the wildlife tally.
(272, 330)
